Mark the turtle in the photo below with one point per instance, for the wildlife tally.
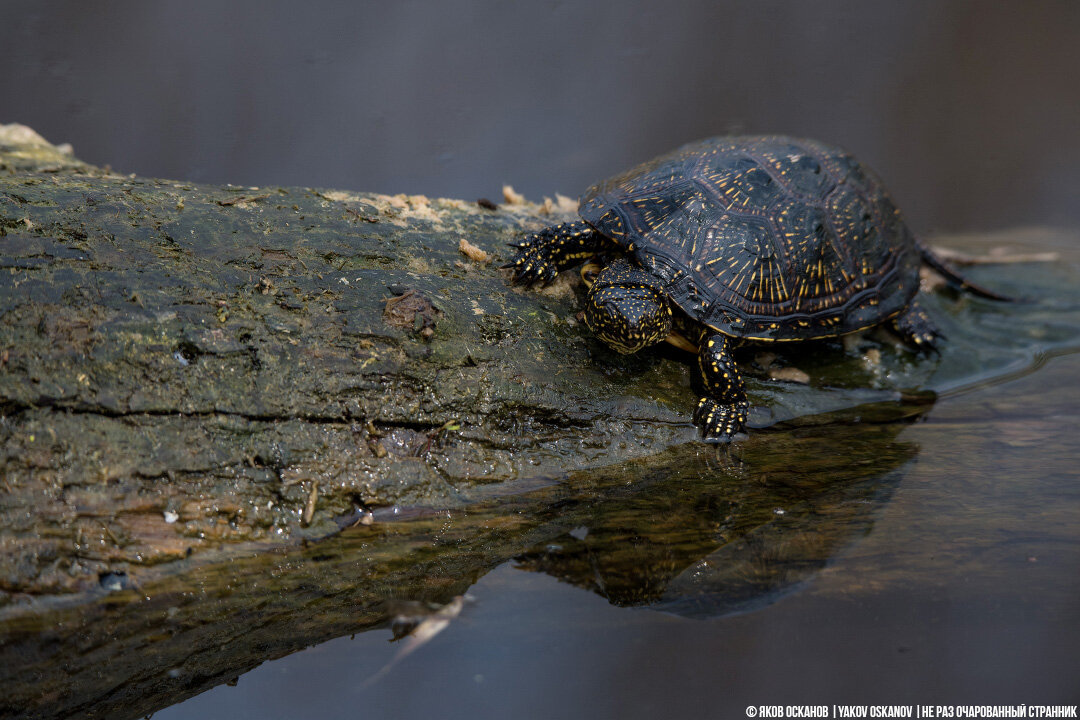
(733, 240)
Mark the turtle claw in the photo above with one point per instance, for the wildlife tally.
(927, 344)
(530, 266)
(540, 256)
(721, 423)
(526, 261)
(917, 329)
(530, 271)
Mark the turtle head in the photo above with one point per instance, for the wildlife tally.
(627, 308)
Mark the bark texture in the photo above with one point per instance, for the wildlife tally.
(182, 365)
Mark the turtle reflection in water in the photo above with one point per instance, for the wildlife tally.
(679, 535)
(741, 239)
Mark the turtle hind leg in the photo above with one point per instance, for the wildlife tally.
(542, 255)
(916, 328)
(721, 413)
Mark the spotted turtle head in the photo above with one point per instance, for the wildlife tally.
(627, 308)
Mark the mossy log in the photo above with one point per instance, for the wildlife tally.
(187, 366)
(182, 364)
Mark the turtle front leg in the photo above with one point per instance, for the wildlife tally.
(542, 255)
(916, 328)
(722, 413)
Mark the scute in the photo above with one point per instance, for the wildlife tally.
(658, 210)
(743, 185)
(797, 168)
(858, 224)
(767, 238)
(745, 268)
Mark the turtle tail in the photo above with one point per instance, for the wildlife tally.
(955, 278)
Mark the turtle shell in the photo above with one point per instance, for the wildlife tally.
(764, 238)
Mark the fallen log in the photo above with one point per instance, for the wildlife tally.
(185, 367)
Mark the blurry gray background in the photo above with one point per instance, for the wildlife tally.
(969, 110)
